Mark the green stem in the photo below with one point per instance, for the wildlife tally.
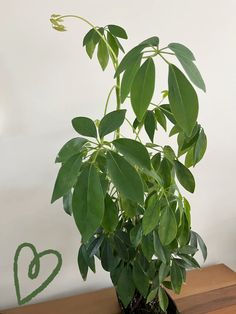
(164, 58)
(118, 101)
(94, 27)
(133, 129)
(108, 98)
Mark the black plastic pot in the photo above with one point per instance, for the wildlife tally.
(138, 306)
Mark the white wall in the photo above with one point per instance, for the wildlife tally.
(46, 79)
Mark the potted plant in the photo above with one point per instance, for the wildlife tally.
(123, 192)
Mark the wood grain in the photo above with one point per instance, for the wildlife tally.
(211, 290)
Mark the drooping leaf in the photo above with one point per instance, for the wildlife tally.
(125, 286)
(109, 260)
(91, 39)
(142, 88)
(136, 235)
(188, 259)
(117, 31)
(200, 147)
(163, 299)
(163, 272)
(71, 148)
(110, 218)
(147, 246)
(152, 295)
(113, 44)
(184, 234)
(151, 215)
(176, 277)
(159, 249)
(67, 177)
(121, 248)
(160, 117)
(184, 176)
(165, 108)
(128, 78)
(84, 126)
(168, 227)
(140, 279)
(150, 124)
(67, 203)
(189, 158)
(102, 54)
(182, 51)
(88, 202)
(83, 262)
(164, 171)
(183, 100)
(111, 122)
(152, 41)
(94, 246)
(125, 177)
(202, 245)
(129, 207)
(135, 152)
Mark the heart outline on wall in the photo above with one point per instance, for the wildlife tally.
(33, 270)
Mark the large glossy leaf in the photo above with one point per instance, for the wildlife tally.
(125, 286)
(110, 218)
(111, 122)
(150, 124)
(140, 279)
(182, 51)
(184, 176)
(168, 227)
(200, 147)
(151, 215)
(128, 78)
(88, 202)
(135, 152)
(102, 54)
(124, 177)
(67, 177)
(109, 260)
(84, 126)
(71, 148)
(142, 88)
(83, 262)
(117, 31)
(183, 100)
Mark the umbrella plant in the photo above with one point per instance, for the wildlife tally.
(126, 194)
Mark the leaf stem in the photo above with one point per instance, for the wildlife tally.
(108, 98)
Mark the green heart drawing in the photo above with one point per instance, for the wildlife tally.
(33, 271)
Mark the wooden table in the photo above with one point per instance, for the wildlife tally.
(210, 290)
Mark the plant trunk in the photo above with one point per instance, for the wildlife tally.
(138, 305)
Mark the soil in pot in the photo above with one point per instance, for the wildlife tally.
(138, 306)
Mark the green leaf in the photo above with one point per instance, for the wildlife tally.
(200, 147)
(152, 295)
(140, 279)
(160, 251)
(129, 207)
(160, 117)
(135, 152)
(130, 58)
(142, 88)
(67, 203)
(189, 260)
(184, 176)
(125, 178)
(88, 202)
(67, 177)
(192, 72)
(182, 51)
(150, 124)
(147, 246)
(176, 277)
(184, 234)
(109, 260)
(90, 41)
(117, 31)
(71, 148)
(113, 44)
(174, 130)
(168, 227)
(183, 100)
(121, 248)
(187, 249)
(188, 162)
(125, 286)
(163, 299)
(84, 126)
(163, 272)
(151, 215)
(110, 218)
(201, 244)
(152, 41)
(136, 235)
(102, 54)
(111, 122)
(94, 246)
(167, 112)
(83, 262)
(164, 171)
(128, 78)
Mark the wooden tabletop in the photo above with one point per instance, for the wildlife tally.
(210, 290)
